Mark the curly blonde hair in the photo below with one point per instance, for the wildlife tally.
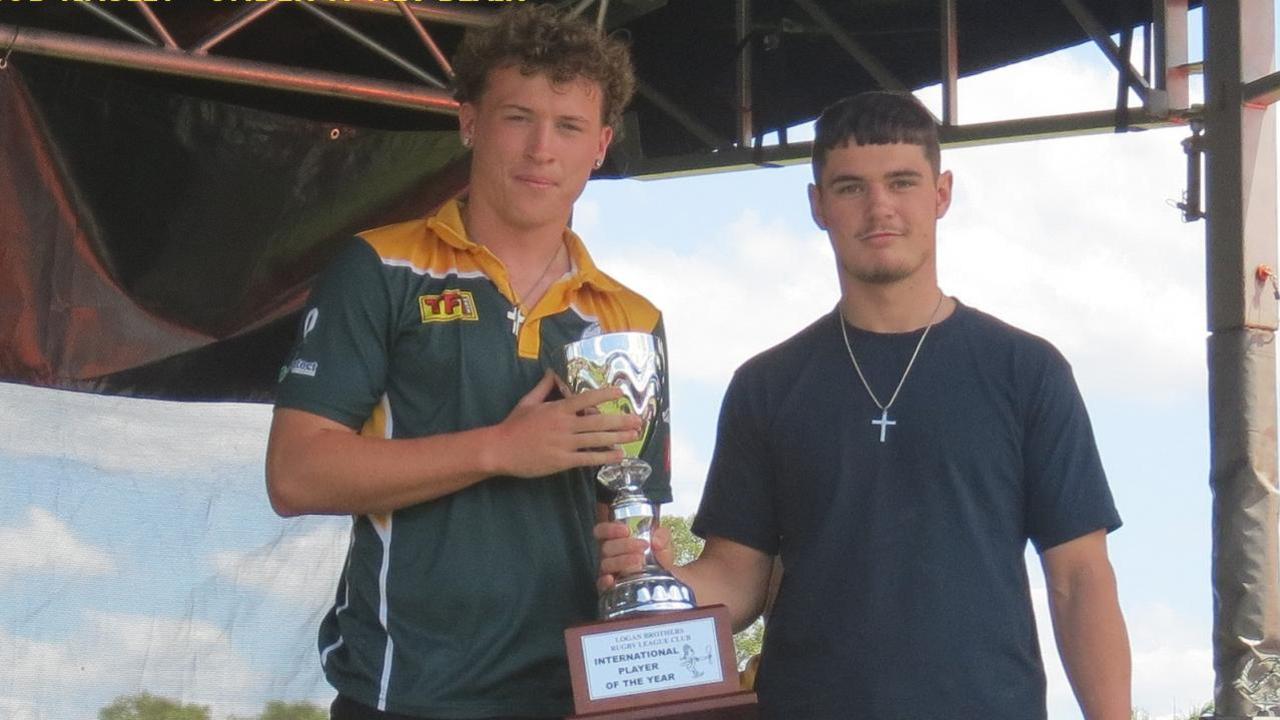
(538, 39)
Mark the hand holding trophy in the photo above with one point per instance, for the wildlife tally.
(654, 653)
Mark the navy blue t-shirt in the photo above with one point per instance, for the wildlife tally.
(905, 590)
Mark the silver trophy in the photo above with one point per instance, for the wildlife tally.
(635, 363)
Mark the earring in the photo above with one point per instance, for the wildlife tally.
(599, 162)
(466, 141)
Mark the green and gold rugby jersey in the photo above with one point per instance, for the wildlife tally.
(456, 607)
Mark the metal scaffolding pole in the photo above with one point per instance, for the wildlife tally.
(742, 26)
(1240, 166)
(245, 72)
(950, 62)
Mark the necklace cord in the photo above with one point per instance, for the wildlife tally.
(541, 276)
(901, 381)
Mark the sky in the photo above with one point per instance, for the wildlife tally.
(140, 551)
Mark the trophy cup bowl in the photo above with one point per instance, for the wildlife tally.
(635, 363)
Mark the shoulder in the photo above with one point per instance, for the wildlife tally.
(618, 307)
(373, 257)
(989, 334)
(628, 296)
(1031, 368)
(772, 380)
(354, 265)
(403, 241)
(783, 359)
(383, 260)
(773, 375)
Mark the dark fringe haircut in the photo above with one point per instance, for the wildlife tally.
(876, 117)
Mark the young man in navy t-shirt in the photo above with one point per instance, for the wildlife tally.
(897, 455)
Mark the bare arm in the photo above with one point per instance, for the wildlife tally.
(1089, 628)
(316, 465)
(726, 573)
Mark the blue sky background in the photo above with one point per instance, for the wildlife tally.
(140, 552)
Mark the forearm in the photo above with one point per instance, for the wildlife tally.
(1094, 644)
(316, 465)
(716, 582)
(339, 472)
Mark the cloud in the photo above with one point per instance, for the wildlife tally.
(12, 708)
(173, 656)
(301, 564)
(116, 654)
(1077, 80)
(586, 217)
(689, 465)
(725, 299)
(125, 435)
(46, 544)
(1172, 660)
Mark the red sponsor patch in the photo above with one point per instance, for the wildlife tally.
(448, 305)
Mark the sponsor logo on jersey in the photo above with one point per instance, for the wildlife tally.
(304, 367)
(447, 306)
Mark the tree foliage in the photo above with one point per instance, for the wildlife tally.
(145, 706)
(1196, 713)
(687, 547)
(277, 710)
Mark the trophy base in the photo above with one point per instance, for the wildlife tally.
(736, 706)
(677, 665)
(645, 593)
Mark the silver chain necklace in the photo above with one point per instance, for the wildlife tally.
(884, 422)
(516, 315)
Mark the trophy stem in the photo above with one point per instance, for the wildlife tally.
(652, 588)
(629, 505)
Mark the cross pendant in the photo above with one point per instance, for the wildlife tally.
(517, 317)
(884, 422)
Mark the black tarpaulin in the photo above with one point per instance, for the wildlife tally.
(156, 243)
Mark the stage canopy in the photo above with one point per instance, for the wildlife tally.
(175, 174)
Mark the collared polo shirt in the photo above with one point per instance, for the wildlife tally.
(456, 607)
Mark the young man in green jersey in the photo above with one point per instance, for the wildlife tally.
(418, 400)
